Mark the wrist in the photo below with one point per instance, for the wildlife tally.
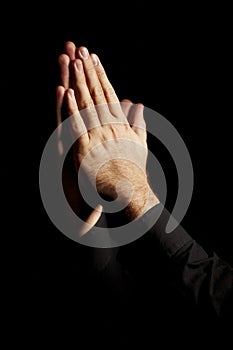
(128, 182)
(143, 200)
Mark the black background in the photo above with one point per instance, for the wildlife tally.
(174, 58)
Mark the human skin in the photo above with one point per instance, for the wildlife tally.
(111, 148)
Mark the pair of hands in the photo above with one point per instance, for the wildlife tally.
(111, 149)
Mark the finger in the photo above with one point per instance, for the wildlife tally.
(60, 92)
(137, 121)
(59, 102)
(70, 50)
(91, 220)
(109, 92)
(78, 128)
(64, 61)
(83, 97)
(125, 106)
(92, 80)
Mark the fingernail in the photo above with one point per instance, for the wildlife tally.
(95, 59)
(84, 52)
(79, 65)
(71, 93)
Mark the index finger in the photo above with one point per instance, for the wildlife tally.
(64, 62)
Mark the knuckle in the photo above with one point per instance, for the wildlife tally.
(85, 102)
(113, 130)
(102, 75)
(97, 92)
(79, 86)
(110, 93)
(91, 70)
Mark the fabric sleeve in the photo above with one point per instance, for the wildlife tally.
(201, 276)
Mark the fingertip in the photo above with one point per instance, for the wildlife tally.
(70, 49)
(125, 100)
(137, 120)
(95, 59)
(70, 100)
(126, 105)
(82, 52)
(139, 109)
(99, 208)
(70, 94)
(78, 64)
(69, 43)
(64, 59)
(60, 91)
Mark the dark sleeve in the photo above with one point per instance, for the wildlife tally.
(202, 277)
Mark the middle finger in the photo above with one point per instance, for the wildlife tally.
(92, 79)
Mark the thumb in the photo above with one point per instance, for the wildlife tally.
(91, 220)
